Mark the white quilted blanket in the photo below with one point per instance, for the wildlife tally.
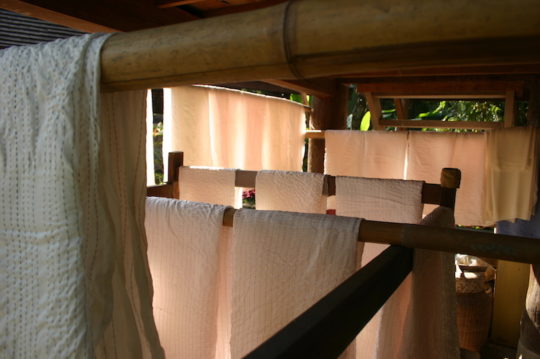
(48, 157)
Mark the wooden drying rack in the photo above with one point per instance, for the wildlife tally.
(483, 244)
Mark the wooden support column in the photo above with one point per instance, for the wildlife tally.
(329, 112)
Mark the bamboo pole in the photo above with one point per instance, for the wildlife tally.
(316, 38)
(513, 248)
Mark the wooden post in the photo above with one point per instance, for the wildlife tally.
(328, 113)
(510, 109)
(176, 160)
(375, 110)
(450, 181)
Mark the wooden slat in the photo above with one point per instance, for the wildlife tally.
(315, 134)
(325, 329)
(164, 190)
(441, 124)
(245, 179)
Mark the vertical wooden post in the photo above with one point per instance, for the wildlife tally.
(175, 160)
(450, 181)
(510, 109)
(374, 105)
(328, 113)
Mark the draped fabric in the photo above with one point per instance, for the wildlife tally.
(209, 185)
(511, 171)
(74, 280)
(281, 264)
(498, 168)
(429, 153)
(184, 241)
(228, 128)
(290, 191)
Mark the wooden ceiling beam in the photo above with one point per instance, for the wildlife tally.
(241, 8)
(99, 15)
(445, 88)
(316, 87)
(163, 4)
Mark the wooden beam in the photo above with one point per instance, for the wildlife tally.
(99, 15)
(164, 4)
(510, 109)
(375, 110)
(226, 10)
(326, 328)
(477, 243)
(316, 87)
(440, 124)
(386, 40)
(441, 88)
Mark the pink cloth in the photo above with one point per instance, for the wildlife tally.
(227, 128)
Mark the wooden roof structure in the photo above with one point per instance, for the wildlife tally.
(397, 49)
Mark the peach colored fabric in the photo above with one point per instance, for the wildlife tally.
(282, 263)
(377, 154)
(183, 252)
(227, 128)
(209, 185)
(419, 320)
(511, 170)
(429, 153)
(290, 191)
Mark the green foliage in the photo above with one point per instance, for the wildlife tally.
(366, 122)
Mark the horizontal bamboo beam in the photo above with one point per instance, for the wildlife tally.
(285, 42)
(478, 243)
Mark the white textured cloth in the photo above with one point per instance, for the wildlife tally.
(209, 185)
(419, 320)
(228, 128)
(387, 200)
(282, 263)
(69, 208)
(290, 191)
(376, 154)
(48, 117)
(429, 153)
(183, 252)
(511, 171)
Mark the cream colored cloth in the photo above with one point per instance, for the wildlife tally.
(150, 177)
(511, 170)
(290, 191)
(430, 152)
(228, 128)
(376, 154)
(380, 200)
(209, 185)
(183, 243)
(122, 192)
(419, 320)
(282, 263)
(73, 271)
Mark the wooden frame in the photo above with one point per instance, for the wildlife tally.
(456, 89)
